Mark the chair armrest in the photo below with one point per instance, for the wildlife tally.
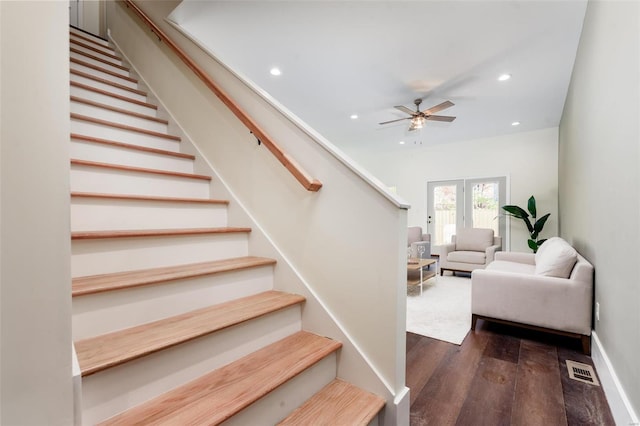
(518, 257)
(491, 252)
(444, 249)
(550, 302)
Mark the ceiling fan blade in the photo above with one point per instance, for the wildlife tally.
(439, 107)
(393, 121)
(446, 118)
(405, 109)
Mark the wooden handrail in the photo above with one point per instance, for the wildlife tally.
(309, 183)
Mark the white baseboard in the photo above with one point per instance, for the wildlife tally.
(619, 404)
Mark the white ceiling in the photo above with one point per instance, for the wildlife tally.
(363, 57)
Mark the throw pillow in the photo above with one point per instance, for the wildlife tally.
(555, 258)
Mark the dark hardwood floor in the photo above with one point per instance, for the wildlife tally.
(501, 375)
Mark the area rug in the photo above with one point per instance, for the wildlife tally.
(443, 311)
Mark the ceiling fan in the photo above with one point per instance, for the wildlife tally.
(418, 118)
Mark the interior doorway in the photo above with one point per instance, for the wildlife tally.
(470, 203)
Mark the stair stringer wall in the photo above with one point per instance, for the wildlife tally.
(342, 248)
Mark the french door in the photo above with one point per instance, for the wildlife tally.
(471, 203)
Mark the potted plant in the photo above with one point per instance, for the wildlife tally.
(535, 228)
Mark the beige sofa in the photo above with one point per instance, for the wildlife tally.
(551, 291)
(470, 249)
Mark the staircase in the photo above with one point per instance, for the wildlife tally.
(173, 321)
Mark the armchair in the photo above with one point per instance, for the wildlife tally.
(416, 238)
(470, 249)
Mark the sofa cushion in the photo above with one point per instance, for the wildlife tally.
(476, 257)
(473, 239)
(507, 266)
(555, 258)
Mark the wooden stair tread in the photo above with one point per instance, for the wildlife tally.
(113, 95)
(115, 109)
(86, 38)
(102, 70)
(108, 82)
(136, 233)
(338, 403)
(123, 126)
(121, 280)
(95, 49)
(125, 145)
(108, 350)
(216, 396)
(98, 59)
(147, 198)
(139, 169)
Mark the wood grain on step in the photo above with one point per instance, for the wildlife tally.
(113, 95)
(123, 126)
(122, 280)
(124, 145)
(213, 398)
(92, 235)
(138, 169)
(108, 82)
(147, 198)
(95, 49)
(102, 70)
(86, 38)
(338, 403)
(115, 109)
(101, 352)
(98, 59)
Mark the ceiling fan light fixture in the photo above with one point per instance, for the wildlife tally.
(417, 123)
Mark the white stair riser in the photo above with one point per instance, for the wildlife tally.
(88, 128)
(108, 181)
(83, 150)
(279, 403)
(90, 214)
(74, 31)
(110, 100)
(111, 392)
(103, 256)
(117, 117)
(102, 313)
(100, 64)
(102, 47)
(104, 54)
(108, 88)
(103, 75)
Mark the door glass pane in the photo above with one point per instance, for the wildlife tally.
(444, 198)
(485, 206)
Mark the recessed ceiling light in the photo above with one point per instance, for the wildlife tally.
(354, 116)
(275, 71)
(401, 142)
(504, 77)
(515, 123)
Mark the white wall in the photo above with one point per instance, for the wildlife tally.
(35, 283)
(528, 159)
(599, 162)
(353, 277)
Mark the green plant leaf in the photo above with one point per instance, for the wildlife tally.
(534, 235)
(540, 222)
(541, 241)
(516, 211)
(533, 245)
(531, 206)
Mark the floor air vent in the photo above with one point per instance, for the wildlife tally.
(582, 372)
